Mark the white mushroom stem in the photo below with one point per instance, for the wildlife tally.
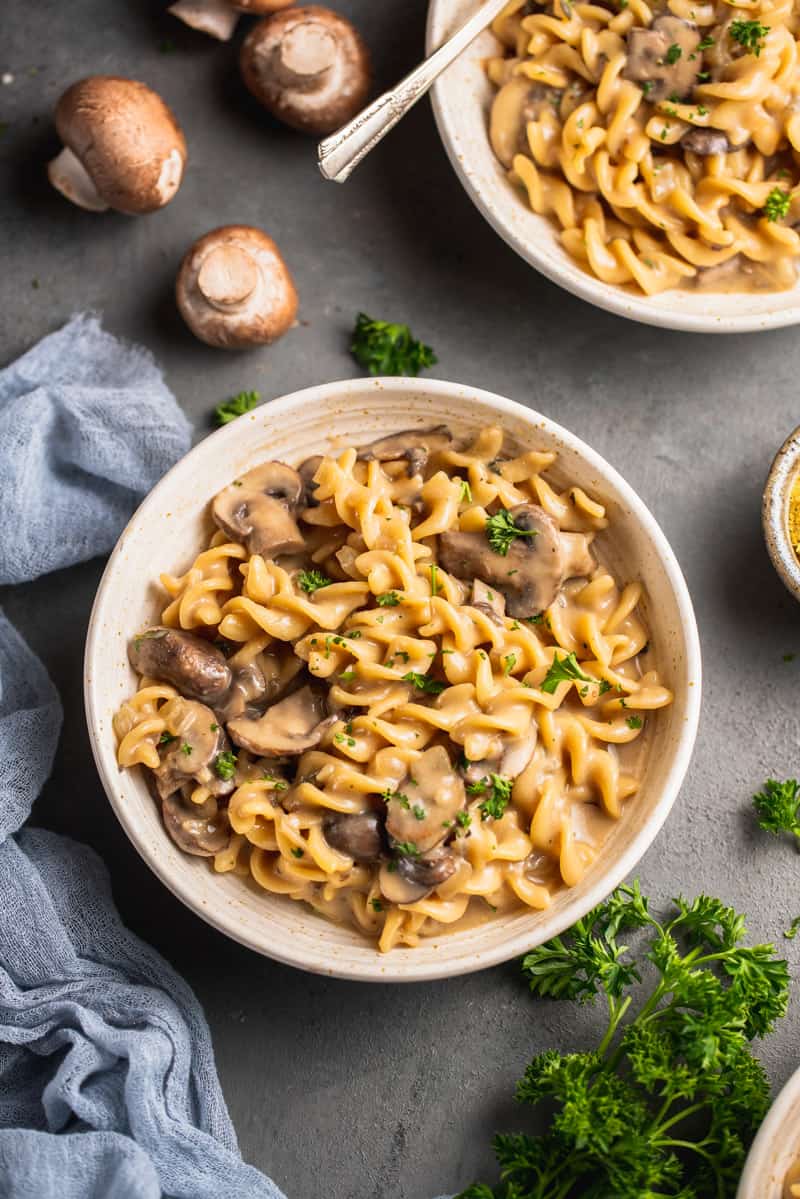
(228, 277)
(306, 51)
(68, 175)
(214, 17)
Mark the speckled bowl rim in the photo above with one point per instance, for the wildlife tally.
(774, 512)
(459, 98)
(775, 1148)
(400, 965)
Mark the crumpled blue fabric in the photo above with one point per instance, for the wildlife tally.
(108, 1088)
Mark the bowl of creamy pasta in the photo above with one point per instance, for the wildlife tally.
(641, 156)
(772, 1169)
(392, 679)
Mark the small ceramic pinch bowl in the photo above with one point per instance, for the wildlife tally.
(783, 478)
(776, 1148)
(173, 524)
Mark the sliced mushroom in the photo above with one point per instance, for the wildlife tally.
(426, 801)
(259, 510)
(535, 568)
(196, 741)
(219, 18)
(489, 601)
(287, 728)
(123, 148)
(359, 836)
(306, 471)
(308, 67)
(414, 877)
(414, 445)
(234, 290)
(257, 684)
(197, 668)
(706, 142)
(515, 756)
(662, 56)
(199, 829)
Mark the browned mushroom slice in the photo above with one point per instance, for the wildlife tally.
(259, 509)
(514, 758)
(425, 802)
(199, 829)
(196, 668)
(414, 445)
(287, 728)
(706, 142)
(306, 471)
(359, 836)
(308, 67)
(191, 747)
(532, 572)
(123, 148)
(407, 878)
(664, 56)
(258, 683)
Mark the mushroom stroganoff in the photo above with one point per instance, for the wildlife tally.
(398, 685)
(663, 138)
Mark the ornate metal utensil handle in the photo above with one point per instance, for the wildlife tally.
(340, 154)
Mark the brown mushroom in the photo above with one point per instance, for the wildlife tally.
(259, 510)
(513, 759)
(308, 67)
(258, 683)
(359, 836)
(706, 142)
(197, 668)
(532, 572)
(424, 804)
(191, 745)
(289, 727)
(408, 878)
(199, 829)
(218, 17)
(123, 148)
(234, 290)
(414, 445)
(306, 471)
(663, 55)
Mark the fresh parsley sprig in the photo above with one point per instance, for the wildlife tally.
(384, 348)
(502, 529)
(749, 34)
(423, 683)
(237, 405)
(668, 1102)
(497, 791)
(777, 204)
(778, 807)
(563, 670)
(311, 580)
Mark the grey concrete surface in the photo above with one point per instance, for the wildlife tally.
(343, 1091)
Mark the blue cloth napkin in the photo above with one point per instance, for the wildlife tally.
(108, 1088)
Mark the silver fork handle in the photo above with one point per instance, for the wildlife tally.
(339, 154)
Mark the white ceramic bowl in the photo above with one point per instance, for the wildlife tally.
(461, 101)
(172, 525)
(776, 1147)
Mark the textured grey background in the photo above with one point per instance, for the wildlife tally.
(342, 1091)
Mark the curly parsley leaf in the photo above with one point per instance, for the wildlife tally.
(749, 34)
(384, 348)
(311, 580)
(502, 529)
(423, 683)
(496, 789)
(237, 405)
(387, 599)
(225, 764)
(777, 807)
(563, 670)
(777, 204)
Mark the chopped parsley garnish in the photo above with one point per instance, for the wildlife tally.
(398, 797)
(387, 599)
(312, 580)
(792, 930)
(563, 670)
(347, 676)
(166, 738)
(647, 87)
(673, 54)
(509, 662)
(423, 683)
(278, 784)
(377, 906)
(501, 530)
(297, 852)
(187, 749)
(384, 348)
(225, 764)
(466, 492)
(434, 579)
(777, 807)
(340, 739)
(749, 34)
(419, 812)
(777, 204)
(405, 849)
(634, 722)
(668, 1099)
(237, 405)
(463, 818)
(497, 791)
(706, 43)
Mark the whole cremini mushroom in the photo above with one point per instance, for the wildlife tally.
(308, 67)
(234, 290)
(218, 17)
(123, 148)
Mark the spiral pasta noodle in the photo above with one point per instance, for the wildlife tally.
(430, 706)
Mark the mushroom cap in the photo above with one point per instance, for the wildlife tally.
(287, 729)
(308, 66)
(197, 668)
(259, 509)
(360, 835)
(234, 290)
(126, 138)
(432, 793)
(414, 445)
